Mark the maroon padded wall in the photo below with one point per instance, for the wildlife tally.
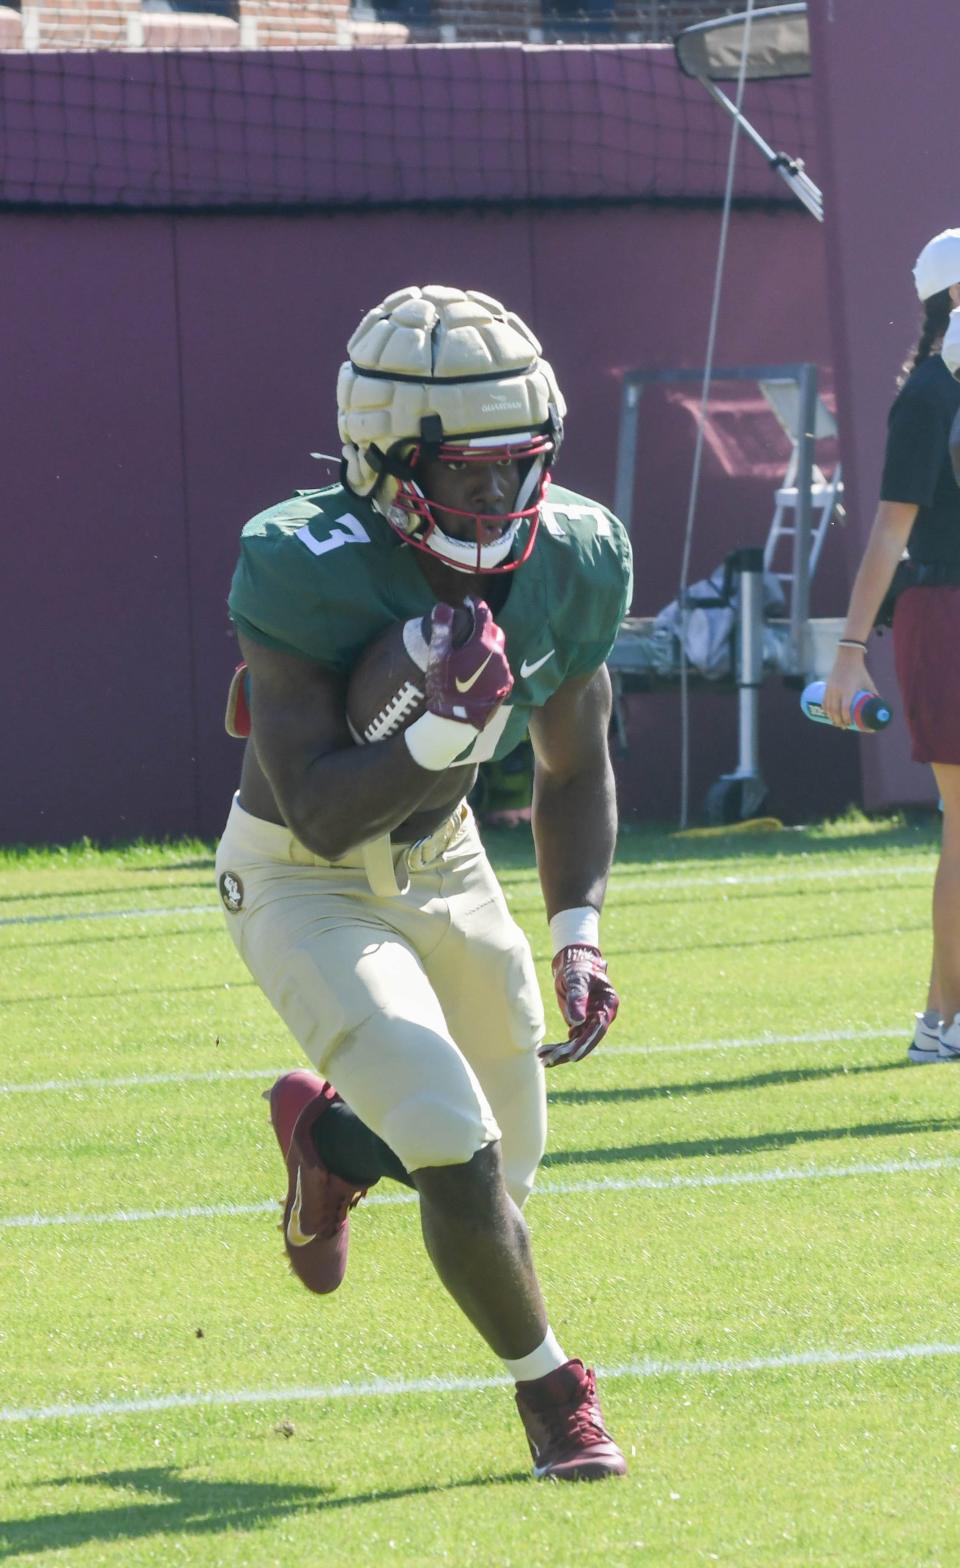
(96, 656)
(885, 93)
(168, 375)
(186, 368)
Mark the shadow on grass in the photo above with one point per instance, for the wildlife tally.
(206, 885)
(177, 1505)
(114, 938)
(666, 1091)
(196, 863)
(879, 934)
(100, 996)
(695, 1148)
(640, 844)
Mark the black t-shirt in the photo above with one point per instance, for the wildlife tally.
(917, 465)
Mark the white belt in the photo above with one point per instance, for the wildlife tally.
(384, 862)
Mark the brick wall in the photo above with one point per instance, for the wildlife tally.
(311, 24)
(74, 24)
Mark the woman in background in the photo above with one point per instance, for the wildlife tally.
(919, 511)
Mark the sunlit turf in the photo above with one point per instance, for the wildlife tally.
(746, 1171)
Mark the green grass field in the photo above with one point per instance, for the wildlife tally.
(746, 1221)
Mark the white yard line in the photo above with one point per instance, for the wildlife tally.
(110, 914)
(656, 884)
(228, 1075)
(550, 1189)
(769, 878)
(638, 882)
(752, 1042)
(393, 1388)
(142, 1080)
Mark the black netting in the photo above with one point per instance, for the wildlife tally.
(374, 126)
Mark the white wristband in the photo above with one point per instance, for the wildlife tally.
(434, 742)
(575, 927)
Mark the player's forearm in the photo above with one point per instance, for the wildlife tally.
(888, 538)
(575, 833)
(347, 797)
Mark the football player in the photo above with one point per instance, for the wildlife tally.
(354, 883)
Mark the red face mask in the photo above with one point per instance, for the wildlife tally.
(416, 517)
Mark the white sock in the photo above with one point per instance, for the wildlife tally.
(546, 1358)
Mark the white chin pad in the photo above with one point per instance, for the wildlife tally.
(462, 553)
(951, 344)
(458, 553)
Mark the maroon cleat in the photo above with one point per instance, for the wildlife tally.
(564, 1426)
(315, 1215)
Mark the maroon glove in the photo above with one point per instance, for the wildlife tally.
(468, 682)
(587, 1000)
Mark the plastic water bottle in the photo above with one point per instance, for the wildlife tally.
(867, 712)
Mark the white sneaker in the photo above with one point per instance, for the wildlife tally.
(950, 1040)
(925, 1045)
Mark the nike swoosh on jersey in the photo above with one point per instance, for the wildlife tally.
(295, 1236)
(471, 680)
(531, 669)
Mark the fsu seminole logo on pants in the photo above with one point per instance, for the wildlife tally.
(231, 891)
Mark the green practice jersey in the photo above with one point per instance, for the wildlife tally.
(321, 575)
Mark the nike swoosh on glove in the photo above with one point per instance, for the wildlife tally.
(470, 682)
(587, 1001)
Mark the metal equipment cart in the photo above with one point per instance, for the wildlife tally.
(805, 503)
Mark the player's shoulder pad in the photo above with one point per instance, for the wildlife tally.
(585, 564)
(315, 510)
(310, 529)
(297, 587)
(581, 532)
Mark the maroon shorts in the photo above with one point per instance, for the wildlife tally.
(926, 644)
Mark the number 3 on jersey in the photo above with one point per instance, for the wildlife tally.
(347, 530)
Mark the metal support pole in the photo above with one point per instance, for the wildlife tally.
(748, 568)
(736, 796)
(627, 452)
(800, 597)
(790, 170)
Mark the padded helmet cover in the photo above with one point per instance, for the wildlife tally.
(458, 356)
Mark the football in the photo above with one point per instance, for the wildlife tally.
(386, 689)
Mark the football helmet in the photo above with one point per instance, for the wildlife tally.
(454, 375)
